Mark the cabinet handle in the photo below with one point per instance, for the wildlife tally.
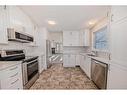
(107, 14)
(109, 67)
(14, 75)
(14, 82)
(71, 33)
(112, 18)
(13, 68)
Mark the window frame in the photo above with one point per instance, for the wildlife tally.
(93, 39)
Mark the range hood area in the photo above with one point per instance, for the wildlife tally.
(18, 36)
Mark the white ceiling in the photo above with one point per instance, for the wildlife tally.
(66, 17)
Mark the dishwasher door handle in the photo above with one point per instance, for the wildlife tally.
(101, 63)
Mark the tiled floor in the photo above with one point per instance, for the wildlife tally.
(58, 77)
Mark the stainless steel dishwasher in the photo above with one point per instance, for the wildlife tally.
(99, 73)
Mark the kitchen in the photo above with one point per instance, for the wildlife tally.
(63, 47)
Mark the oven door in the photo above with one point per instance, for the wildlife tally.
(30, 69)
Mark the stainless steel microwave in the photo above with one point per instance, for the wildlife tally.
(17, 36)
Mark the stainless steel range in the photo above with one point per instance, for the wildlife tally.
(30, 71)
(30, 67)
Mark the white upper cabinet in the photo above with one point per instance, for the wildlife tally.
(84, 38)
(76, 38)
(118, 13)
(20, 21)
(3, 24)
(70, 38)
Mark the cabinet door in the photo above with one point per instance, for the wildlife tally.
(117, 77)
(85, 64)
(69, 60)
(72, 60)
(81, 38)
(3, 25)
(86, 38)
(66, 38)
(78, 60)
(70, 38)
(75, 38)
(118, 41)
(82, 63)
(88, 66)
(118, 12)
(65, 60)
(41, 62)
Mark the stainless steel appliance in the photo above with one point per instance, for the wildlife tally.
(29, 65)
(17, 36)
(12, 55)
(30, 71)
(48, 53)
(99, 73)
(53, 50)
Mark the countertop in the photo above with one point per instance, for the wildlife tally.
(104, 60)
(6, 64)
(101, 59)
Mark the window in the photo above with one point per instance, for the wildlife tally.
(100, 39)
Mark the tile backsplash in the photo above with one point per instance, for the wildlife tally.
(76, 49)
(18, 46)
(103, 54)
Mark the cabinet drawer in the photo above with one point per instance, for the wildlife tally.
(11, 71)
(12, 83)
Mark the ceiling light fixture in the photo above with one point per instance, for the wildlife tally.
(91, 23)
(51, 22)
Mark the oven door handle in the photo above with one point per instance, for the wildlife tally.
(31, 61)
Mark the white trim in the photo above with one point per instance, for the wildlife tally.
(103, 50)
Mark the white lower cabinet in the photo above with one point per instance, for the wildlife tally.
(69, 60)
(88, 66)
(117, 77)
(82, 65)
(11, 78)
(85, 64)
(77, 60)
(41, 62)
